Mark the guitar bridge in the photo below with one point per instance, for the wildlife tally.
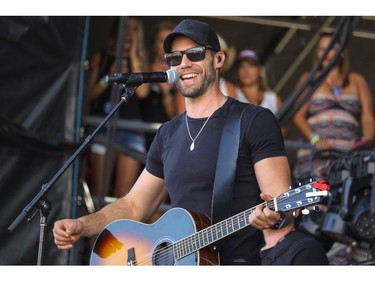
(131, 257)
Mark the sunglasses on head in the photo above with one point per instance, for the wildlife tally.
(193, 54)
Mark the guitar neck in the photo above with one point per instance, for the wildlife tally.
(296, 198)
(211, 234)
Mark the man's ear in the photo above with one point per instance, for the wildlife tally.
(220, 58)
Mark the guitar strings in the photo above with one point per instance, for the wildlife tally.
(182, 246)
(165, 253)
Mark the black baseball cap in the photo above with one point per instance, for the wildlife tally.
(199, 32)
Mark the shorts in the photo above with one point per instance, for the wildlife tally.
(129, 139)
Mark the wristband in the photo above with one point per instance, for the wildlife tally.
(281, 222)
(136, 64)
(104, 83)
(360, 143)
(315, 137)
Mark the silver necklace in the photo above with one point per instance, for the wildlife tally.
(192, 146)
(336, 90)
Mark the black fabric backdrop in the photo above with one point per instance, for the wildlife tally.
(40, 62)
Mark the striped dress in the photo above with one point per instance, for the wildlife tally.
(335, 119)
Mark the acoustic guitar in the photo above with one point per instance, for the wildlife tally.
(181, 237)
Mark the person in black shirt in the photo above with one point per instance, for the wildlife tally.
(182, 158)
(159, 106)
(293, 248)
(104, 62)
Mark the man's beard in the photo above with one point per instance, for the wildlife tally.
(207, 81)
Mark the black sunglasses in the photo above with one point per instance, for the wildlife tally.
(193, 54)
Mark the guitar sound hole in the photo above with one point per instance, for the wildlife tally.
(163, 255)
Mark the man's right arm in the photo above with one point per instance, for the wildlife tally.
(139, 204)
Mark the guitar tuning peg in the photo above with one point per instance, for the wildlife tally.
(305, 211)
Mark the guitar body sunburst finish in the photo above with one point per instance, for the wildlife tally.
(127, 242)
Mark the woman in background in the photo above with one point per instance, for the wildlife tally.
(339, 114)
(252, 84)
(160, 104)
(103, 63)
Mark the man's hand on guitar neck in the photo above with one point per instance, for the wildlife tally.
(263, 217)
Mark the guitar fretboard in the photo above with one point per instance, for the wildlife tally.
(211, 234)
(304, 195)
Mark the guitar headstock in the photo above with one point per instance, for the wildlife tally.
(304, 195)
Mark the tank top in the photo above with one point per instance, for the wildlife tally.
(269, 99)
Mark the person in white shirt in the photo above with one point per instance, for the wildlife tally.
(252, 83)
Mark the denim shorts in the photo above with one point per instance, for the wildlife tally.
(129, 139)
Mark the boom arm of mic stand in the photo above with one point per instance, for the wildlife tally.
(34, 205)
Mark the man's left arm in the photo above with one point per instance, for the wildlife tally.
(274, 178)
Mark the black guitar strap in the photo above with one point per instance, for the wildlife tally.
(226, 166)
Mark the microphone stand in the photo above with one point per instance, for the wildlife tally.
(40, 202)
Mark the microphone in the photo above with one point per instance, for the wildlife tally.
(170, 76)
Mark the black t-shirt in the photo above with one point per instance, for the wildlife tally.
(103, 104)
(296, 248)
(189, 175)
(153, 109)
